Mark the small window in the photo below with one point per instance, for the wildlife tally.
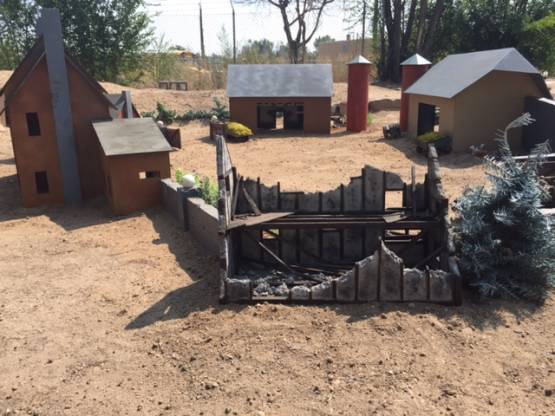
(149, 174)
(33, 124)
(41, 180)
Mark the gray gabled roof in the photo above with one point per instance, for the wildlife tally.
(416, 60)
(130, 136)
(280, 80)
(456, 73)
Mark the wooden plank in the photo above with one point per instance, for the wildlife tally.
(251, 202)
(238, 186)
(250, 220)
(273, 255)
(374, 189)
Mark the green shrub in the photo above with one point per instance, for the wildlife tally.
(207, 189)
(238, 130)
(161, 114)
(370, 119)
(431, 137)
(220, 110)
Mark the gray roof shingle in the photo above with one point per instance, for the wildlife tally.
(280, 80)
(456, 73)
(130, 136)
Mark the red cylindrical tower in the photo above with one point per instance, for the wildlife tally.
(357, 94)
(413, 69)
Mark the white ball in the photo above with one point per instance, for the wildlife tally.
(188, 181)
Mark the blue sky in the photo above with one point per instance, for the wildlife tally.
(178, 21)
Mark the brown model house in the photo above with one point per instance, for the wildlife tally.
(135, 157)
(260, 94)
(470, 97)
(50, 103)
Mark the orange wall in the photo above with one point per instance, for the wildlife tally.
(40, 153)
(35, 154)
(317, 111)
(129, 193)
(87, 106)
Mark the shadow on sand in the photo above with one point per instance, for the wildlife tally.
(455, 160)
(70, 218)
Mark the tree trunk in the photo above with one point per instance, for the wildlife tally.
(408, 29)
(393, 25)
(430, 36)
(420, 31)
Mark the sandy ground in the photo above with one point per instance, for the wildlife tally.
(104, 315)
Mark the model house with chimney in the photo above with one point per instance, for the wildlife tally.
(50, 104)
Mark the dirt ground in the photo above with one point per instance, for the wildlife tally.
(104, 315)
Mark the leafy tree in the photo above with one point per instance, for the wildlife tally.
(17, 23)
(506, 247)
(538, 42)
(107, 37)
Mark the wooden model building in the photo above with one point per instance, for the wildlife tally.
(50, 104)
(471, 96)
(345, 245)
(258, 94)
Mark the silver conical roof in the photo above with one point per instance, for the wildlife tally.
(416, 60)
(359, 60)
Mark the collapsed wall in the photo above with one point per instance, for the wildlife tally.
(344, 245)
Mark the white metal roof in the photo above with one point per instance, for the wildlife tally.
(416, 60)
(455, 73)
(280, 80)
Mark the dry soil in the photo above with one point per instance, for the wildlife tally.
(104, 315)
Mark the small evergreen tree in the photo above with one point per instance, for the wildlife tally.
(505, 245)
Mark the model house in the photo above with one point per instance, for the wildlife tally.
(50, 104)
(135, 156)
(260, 95)
(471, 96)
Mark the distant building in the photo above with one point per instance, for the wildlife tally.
(259, 94)
(343, 50)
(470, 97)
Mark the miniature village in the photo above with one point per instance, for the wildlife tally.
(277, 253)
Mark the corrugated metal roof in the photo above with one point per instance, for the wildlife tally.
(416, 60)
(280, 80)
(130, 136)
(457, 72)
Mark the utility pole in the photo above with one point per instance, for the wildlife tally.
(202, 54)
(363, 27)
(234, 45)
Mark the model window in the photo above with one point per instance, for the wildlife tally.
(149, 174)
(41, 180)
(33, 125)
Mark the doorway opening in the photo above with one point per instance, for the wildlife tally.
(288, 116)
(428, 118)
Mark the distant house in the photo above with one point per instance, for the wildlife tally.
(342, 50)
(50, 103)
(471, 96)
(260, 94)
